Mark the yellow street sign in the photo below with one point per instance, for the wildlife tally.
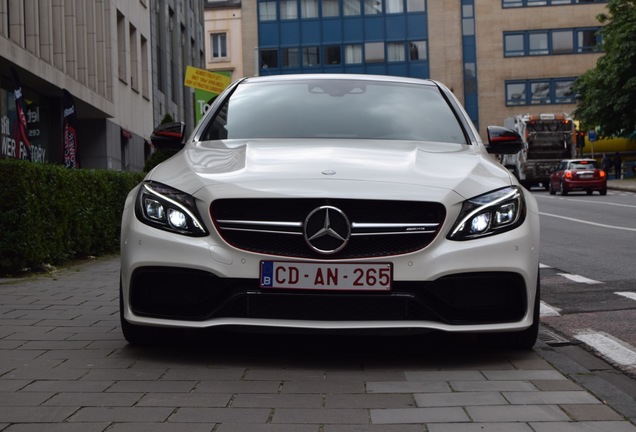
(205, 80)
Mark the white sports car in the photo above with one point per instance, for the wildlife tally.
(332, 202)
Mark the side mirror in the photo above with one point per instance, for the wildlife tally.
(503, 140)
(168, 136)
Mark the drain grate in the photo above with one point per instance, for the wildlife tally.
(553, 339)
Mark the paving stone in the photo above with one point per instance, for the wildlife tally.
(58, 427)
(527, 375)
(444, 376)
(472, 386)
(277, 401)
(418, 415)
(591, 412)
(516, 413)
(459, 399)
(584, 427)
(369, 401)
(321, 416)
(121, 414)
(550, 398)
(479, 427)
(329, 387)
(101, 399)
(408, 387)
(220, 415)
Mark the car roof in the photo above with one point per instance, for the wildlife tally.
(579, 160)
(338, 76)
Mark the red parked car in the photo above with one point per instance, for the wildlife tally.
(578, 175)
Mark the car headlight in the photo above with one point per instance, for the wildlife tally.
(168, 209)
(488, 214)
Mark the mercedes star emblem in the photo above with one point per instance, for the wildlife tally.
(327, 230)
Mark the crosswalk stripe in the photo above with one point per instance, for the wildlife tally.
(609, 347)
(547, 310)
(628, 294)
(580, 279)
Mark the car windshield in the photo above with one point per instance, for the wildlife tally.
(583, 165)
(336, 109)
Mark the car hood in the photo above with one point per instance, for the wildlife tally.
(289, 166)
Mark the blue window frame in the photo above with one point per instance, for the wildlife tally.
(548, 91)
(536, 3)
(552, 42)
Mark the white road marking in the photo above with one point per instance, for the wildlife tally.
(628, 294)
(609, 347)
(588, 222)
(544, 266)
(579, 279)
(546, 310)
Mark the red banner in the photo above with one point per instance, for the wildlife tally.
(21, 129)
(69, 128)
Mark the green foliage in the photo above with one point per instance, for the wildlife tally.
(157, 157)
(51, 214)
(608, 92)
(167, 119)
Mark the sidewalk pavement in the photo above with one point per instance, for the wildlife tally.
(64, 366)
(627, 185)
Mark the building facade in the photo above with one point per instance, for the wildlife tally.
(177, 42)
(500, 58)
(122, 61)
(98, 52)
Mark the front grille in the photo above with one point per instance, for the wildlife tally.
(194, 295)
(377, 227)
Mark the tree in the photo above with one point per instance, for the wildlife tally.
(607, 93)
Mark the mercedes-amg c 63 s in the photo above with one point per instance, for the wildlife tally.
(332, 203)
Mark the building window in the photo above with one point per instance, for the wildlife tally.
(351, 8)
(332, 55)
(540, 92)
(538, 44)
(290, 57)
(417, 50)
(219, 46)
(586, 40)
(394, 6)
(468, 20)
(288, 9)
(516, 94)
(415, 5)
(374, 52)
(353, 54)
(311, 56)
(121, 47)
(269, 58)
(562, 42)
(267, 11)
(514, 45)
(372, 7)
(395, 52)
(309, 8)
(552, 42)
(536, 3)
(330, 8)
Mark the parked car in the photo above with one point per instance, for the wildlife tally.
(578, 175)
(333, 202)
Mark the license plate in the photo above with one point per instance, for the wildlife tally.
(326, 276)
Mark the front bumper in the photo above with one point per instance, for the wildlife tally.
(481, 285)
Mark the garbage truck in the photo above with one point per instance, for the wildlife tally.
(548, 139)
